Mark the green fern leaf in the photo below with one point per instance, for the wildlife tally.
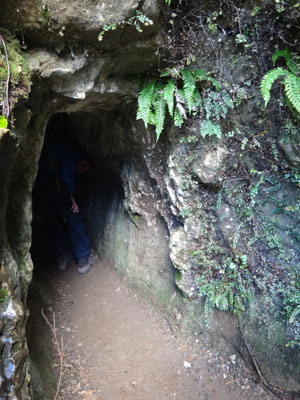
(294, 314)
(268, 80)
(281, 53)
(292, 90)
(165, 73)
(169, 92)
(178, 119)
(215, 83)
(200, 75)
(210, 129)
(160, 113)
(197, 99)
(292, 66)
(151, 118)
(145, 101)
(189, 88)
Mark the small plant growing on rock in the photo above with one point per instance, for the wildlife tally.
(291, 80)
(138, 20)
(14, 75)
(227, 286)
(3, 294)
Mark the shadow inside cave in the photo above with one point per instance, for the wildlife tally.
(99, 193)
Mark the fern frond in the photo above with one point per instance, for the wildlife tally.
(200, 75)
(294, 314)
(215, 83)
(293, 67)
(268, 80)
(208, 128)
(197, 99)
(292, 90)
(160, 113)
(151, 117)
(169, 92)
(281, 53)
(188, 87)
(291, 64)
(145, 102)
(178, 119)
(165, 73)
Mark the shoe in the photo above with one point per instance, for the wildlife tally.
(85, 263)
(62, 262)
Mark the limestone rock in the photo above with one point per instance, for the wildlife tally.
(291, 149)
(180, 258)
(228, 221)
(210, 164)
(194, 229)
(72, 22)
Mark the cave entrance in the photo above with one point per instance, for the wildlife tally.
(98, 188)
(99, 194)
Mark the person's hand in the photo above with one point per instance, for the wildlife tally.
(74, 207)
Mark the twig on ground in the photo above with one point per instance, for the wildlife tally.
(58, 347)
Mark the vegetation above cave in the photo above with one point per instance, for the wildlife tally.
(15, 76)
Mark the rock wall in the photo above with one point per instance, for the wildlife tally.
(203, 227)
(17, 177)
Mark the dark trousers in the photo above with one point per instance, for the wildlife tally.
(54, 207)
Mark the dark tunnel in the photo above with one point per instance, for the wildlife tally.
(99, 194)
(98, 189)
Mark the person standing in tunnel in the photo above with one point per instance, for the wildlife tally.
(54, 200)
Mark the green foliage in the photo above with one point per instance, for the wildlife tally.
(268, 81)
(3, 122)
(136, 21)
(292, 90)
(3, 294)
(296, 310)
(169, 92)
(291, 304)
(226, 286)
(159, 113)
(182, 92)
(273, 212)
(189, 87)
(19, 71)
(210, 129)
(177, 275)
(291, 80)
(217, 104)
(168, 2)
(145, 103)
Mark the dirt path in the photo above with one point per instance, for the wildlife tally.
(118, 348)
